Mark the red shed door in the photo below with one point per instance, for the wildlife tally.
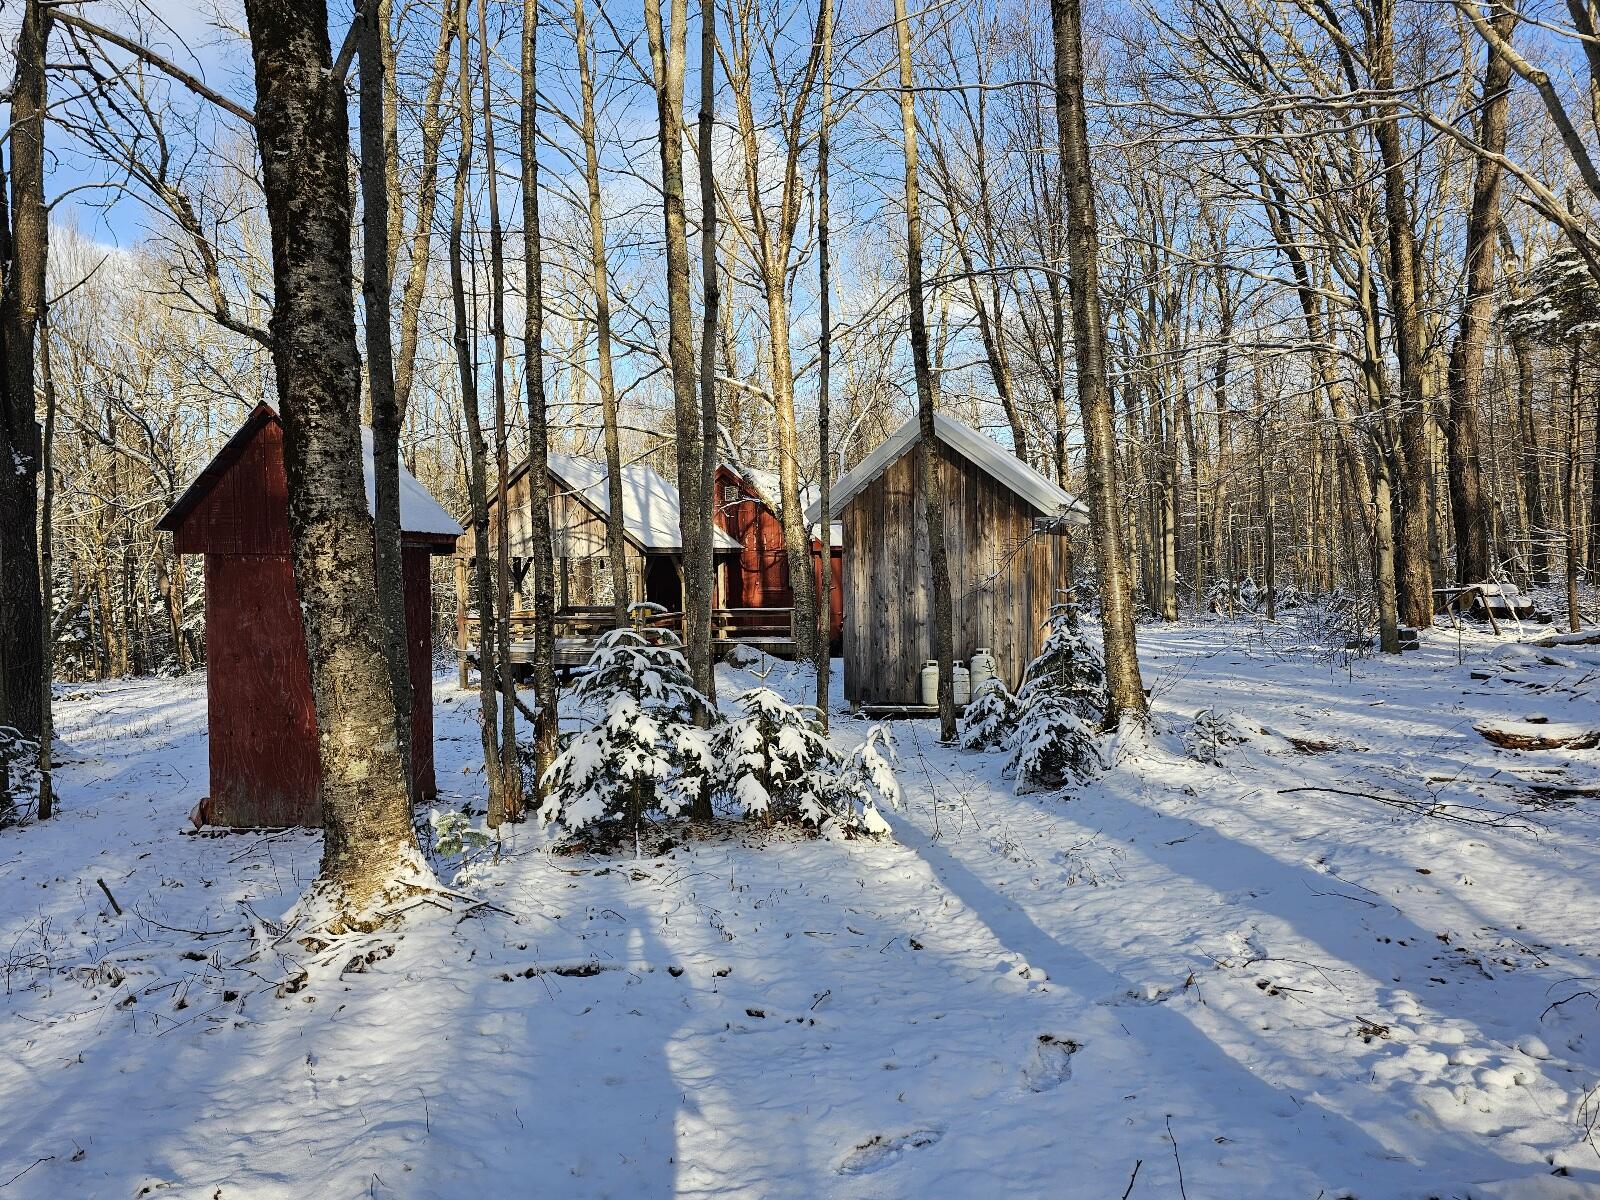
(264, 767)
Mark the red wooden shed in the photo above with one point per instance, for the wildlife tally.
(746, 511)
(263, 726)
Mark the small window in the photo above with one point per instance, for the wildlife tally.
(730, 495)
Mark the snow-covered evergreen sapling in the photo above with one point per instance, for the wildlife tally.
(640, 750)
(987, 723)
(777, 765)
(1061, 704)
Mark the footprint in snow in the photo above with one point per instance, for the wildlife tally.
(884, 1150)
(1051, 1063)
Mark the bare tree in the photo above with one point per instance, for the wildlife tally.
(929, 455)
(1124, 687)
(304, 139)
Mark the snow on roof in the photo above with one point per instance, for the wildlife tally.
(651, 509)
(985, 453)
(420, 513)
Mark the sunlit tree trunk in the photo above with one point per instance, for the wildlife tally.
(303, 136)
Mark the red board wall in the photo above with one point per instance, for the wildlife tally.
(263, 726)
(762, 580)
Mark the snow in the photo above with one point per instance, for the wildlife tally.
(1381, 987)
(419, 511)
(651, 511)
(1048, 499)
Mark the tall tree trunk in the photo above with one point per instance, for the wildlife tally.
(24, 252)
(432, 132)
(477, 450)
(1415, 568)
(1532, 475)
(1468, 504)
(667, 62)
(711, 289)
(824, 651)
(1124, 687)
(546, 725)
(303, 135)
(375, 298)
(929, 454)
(616, 541)
(1574, 452)
(505, 800)
(47, 386)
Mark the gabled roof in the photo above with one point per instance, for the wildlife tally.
(987, 455)
(652, 513)
(420, 514)
(766, 485)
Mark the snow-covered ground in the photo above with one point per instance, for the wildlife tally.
(1190, 979)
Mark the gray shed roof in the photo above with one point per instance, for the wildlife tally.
(1047, 499)
(651, 510)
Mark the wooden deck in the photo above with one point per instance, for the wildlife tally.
(578, 631)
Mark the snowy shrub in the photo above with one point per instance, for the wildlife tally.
(777, 765)
(1050, 728)
(987, 722)
(867, 780)
(1052, 744)
(19, 776)
(1068, 663)
(454, 834)
(1212, 732)
(640, 750)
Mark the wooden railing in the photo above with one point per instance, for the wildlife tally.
(590, 621)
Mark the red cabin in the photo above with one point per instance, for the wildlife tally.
(263, 726)
(746, 509)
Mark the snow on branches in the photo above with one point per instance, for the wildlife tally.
(652, 743)
(1050, 728)
(641, 750)
(779, 766)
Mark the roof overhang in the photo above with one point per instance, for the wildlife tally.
(1048, 500)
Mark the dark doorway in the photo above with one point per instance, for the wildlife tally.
(661, 583)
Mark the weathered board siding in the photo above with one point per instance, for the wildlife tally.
(577, 541)
(265, 769)
(1003, 578)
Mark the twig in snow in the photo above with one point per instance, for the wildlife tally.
(1443, 812)
(1174, 1137)
(115, 907)
(26, 1169)
(1128, 1191)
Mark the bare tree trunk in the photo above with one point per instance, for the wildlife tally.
(929, 456)
(304, 140)
(710, 285)
(477, 451)
(433, 123)
(1124, 687)
(1532, 476)
(505, 801)
(375, 298)
(25, 250)
(616, 542)
(546, 725)
(824, 652)
(1468, 504)
(47, 386)
(1574, 451)
(667, 61)
(1414, 568)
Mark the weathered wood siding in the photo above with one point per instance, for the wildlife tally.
(1003, 578)
(577, 542)
(265, 769)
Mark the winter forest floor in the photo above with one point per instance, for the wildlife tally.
(1187, 979)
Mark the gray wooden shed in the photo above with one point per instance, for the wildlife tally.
(1005, 531)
